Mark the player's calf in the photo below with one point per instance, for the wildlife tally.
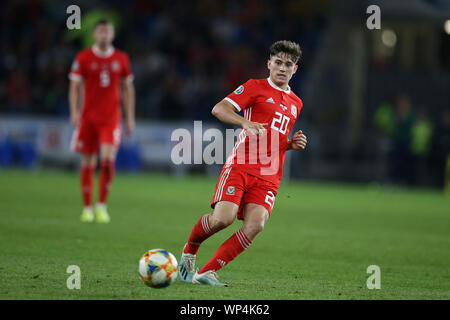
(255, 217)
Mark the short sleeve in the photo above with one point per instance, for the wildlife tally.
(300, 107)
(77, 71)
(243, 96)
(126, 73)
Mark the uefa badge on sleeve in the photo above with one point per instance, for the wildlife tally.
(239, 90)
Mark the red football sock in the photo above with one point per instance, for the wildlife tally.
(199, 233)
(87, 181)
(229, 250)
(105, 179)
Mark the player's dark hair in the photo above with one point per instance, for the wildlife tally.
(290, 48)
(102, 22)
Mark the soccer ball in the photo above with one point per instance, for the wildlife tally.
(158, 268)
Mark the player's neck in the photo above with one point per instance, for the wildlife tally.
(103, 51)
(283, 86)
(103, 47)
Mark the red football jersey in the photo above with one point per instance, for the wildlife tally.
(101, 73)
(264, 102)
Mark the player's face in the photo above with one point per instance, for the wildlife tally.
(104, 34)
(281, 69)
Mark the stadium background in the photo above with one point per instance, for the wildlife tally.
(376, 113)
(376, 101)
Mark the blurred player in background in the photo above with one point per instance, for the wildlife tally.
(103, 70)
(247, 189)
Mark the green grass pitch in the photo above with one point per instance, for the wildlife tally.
(317, 244)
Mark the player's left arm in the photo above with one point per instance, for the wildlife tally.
(129, 100)
(298, 141)
(128, 94)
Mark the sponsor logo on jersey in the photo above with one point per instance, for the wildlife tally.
(230, 190)
(239, 90)
(270, 100)
(293, 110)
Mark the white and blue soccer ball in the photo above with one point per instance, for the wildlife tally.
(158, 268)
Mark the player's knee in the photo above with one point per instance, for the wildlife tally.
(219, 223)
(107, 156)
(108, 152)
(88, 160)
(253, 228)
(258, 227)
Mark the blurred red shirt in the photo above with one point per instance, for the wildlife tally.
(101, 73)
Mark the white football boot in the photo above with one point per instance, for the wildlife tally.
(209, 278)
(186, 268)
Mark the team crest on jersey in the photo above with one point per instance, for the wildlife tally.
(115, 65)
(230, 190)
(293, 110)
(75, 66)
(239, 90)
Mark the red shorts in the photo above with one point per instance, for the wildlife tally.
(89, 136)
(241, 188)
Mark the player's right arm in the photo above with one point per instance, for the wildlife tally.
(76, 80)
(225, 112)
(74, 101)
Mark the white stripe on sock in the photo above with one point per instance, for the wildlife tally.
(205, 224)
(242, 239)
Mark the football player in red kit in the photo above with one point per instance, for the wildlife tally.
(103, 71)
(248, 183)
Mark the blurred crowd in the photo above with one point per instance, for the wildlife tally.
(186, 55)
(418, 146)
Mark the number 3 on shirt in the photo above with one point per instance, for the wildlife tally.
(283, 122)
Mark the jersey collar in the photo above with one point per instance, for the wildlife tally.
(102, 54)
(277, 87)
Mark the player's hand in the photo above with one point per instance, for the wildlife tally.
(74, 119)
(254, 128)
(129, 126)
(299, 141)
